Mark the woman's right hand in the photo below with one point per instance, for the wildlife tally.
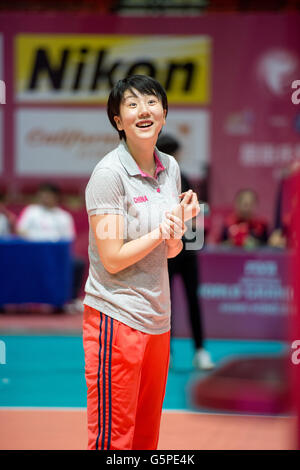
(172, 227)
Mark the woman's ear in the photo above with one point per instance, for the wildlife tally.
(117, 120)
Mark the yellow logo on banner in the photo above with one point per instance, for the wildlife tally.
(83, 68)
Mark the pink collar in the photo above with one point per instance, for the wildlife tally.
(158, 169)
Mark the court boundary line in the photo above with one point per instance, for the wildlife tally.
(169, 411)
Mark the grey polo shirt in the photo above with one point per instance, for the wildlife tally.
(139, 295)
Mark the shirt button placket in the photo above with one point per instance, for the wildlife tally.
(157, 186)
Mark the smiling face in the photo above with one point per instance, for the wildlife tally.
(141, 116)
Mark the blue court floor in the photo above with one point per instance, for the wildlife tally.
(48, 371)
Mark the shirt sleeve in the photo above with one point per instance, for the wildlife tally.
(105, 193)
(67, 228)
(25, 220)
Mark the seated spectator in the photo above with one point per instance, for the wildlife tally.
(243, 228)
(46, 221)
(7, 219)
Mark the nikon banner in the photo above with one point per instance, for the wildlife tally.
(83, 68)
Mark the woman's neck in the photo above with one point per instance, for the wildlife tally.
(143, 153)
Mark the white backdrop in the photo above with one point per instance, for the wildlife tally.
(191, 128)
(62, 142)
(71, 142)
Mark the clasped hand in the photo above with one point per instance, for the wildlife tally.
(188, 207)
(173, 226)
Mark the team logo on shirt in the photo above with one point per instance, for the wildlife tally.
(140, 199)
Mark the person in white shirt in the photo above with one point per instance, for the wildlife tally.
(4, 226)
(7, 219)
(46, 221)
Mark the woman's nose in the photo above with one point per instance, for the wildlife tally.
(143, 109)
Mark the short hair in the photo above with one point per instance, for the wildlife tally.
(168, 144)
(50, 188)
(144, 85)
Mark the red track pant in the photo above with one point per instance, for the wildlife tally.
(126, 372)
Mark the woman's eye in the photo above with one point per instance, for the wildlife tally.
(132, 105)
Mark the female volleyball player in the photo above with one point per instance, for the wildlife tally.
(136, 221)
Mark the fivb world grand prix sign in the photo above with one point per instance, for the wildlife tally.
(83, 68)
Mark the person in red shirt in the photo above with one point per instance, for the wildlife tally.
(242, 228)
(284, 234)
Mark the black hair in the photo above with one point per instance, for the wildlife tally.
(49, 187)
(167, 144)
(144, 85)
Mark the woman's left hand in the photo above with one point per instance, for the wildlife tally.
(172, 227)
(188, 207)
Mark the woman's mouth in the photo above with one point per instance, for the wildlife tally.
(144, 124)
